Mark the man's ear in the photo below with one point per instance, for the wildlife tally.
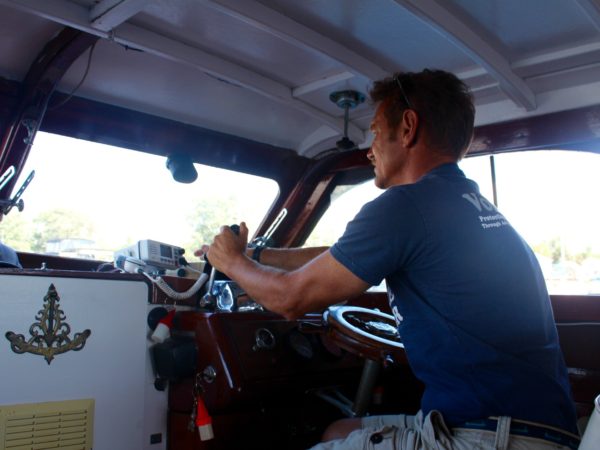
(409, 127)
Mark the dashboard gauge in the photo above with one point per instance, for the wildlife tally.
(264, 339)
(301, 345)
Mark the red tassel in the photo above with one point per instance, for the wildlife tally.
(168, 319)
(203, 421)
(162, 332)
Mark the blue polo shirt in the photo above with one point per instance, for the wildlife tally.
(470, 299)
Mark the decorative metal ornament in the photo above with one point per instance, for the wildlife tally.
(50, 334)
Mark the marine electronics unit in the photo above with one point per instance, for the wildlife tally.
(154, 253)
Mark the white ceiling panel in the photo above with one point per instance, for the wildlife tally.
(264, 69)
(195, 98)
(208, 28)
(380, 29)
(22, 36)
(529, 26)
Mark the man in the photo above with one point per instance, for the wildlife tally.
(466, 290)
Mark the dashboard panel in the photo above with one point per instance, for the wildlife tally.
(256, 354)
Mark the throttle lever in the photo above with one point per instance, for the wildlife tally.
(213, 272)
(208, 298)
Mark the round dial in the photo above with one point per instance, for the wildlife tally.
(264, 339)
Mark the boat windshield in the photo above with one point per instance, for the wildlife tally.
(88, 200)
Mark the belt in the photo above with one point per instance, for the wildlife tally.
(529, 429)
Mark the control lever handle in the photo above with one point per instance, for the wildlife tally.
(267, 240)
(213, 272)
(6, 176)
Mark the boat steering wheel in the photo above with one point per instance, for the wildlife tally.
(369, 333)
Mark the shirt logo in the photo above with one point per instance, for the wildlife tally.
(479, 202)
(482, 205)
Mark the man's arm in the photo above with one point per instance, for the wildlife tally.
(281, 258)
(287, 258)
(321, 282)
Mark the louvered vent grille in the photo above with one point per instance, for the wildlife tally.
(55, 425)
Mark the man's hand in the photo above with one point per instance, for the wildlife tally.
(227, 248)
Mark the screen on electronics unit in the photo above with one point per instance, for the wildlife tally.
(165, 251)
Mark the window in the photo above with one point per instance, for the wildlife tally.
(346, 201)
(88, 200)
(551, 198)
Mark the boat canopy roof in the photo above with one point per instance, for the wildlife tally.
(264, 70)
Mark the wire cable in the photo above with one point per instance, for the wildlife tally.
(164, 286)
(85, 74)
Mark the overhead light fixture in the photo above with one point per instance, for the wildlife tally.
(347, 100)
(182, 168)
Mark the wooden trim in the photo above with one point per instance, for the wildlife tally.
(577, 129)
(43, 76)
(576, 308)
(112, 125)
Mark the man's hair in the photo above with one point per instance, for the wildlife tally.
(442, 101)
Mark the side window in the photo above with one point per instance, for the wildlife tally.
(551, 198)
(88, 200)
(346, 201)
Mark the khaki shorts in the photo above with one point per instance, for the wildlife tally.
(402, 432)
